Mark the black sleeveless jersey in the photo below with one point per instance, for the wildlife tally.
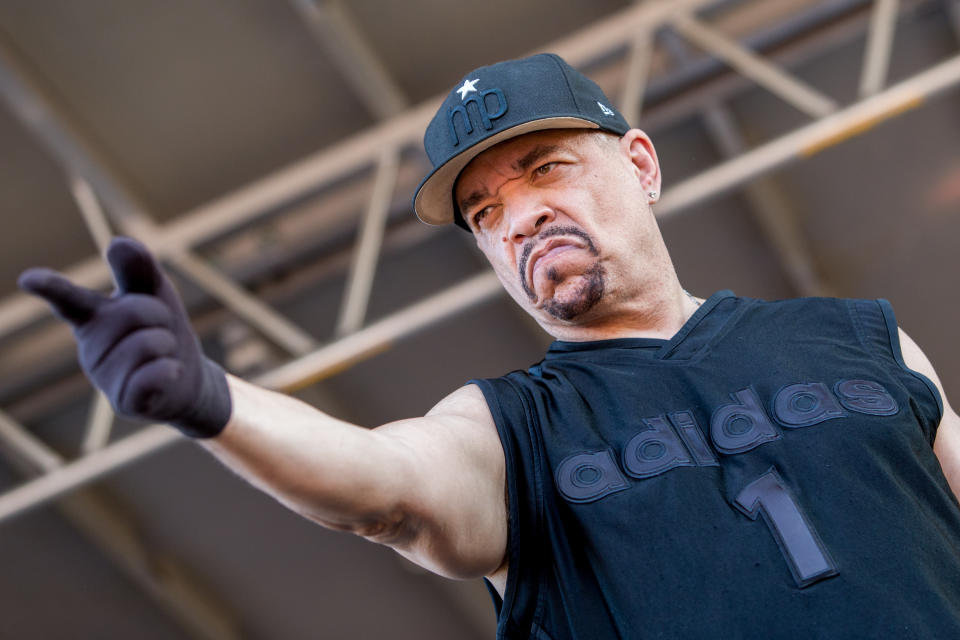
(767, 473)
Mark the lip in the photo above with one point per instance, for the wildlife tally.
(548, 249)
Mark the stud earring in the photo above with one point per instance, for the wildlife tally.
(653, 195)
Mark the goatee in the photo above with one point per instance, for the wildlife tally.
(591, 290)
(587, 296)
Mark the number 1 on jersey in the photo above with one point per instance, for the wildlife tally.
(805, 554)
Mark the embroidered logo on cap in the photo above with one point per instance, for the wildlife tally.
(490, 105)
(607, 111)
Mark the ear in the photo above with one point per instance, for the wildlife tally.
(636, 145)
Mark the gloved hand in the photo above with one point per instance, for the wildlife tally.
(137, 345)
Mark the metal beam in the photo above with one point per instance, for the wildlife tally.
(638, 67)
(23, 450)
(769, 207)
(48, 120)
(364, 264)
(331, 26)
(764, 73)
(86, 469)
(93, 176)
(817, 31)
(876, 57)
(114, 531)
(618, 29)
(378, 336)
(766, 202)
(92, 212)
(270, 323)
(796, 26)
(812, 138)
(99, 423)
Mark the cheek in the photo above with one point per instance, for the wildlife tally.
(500, 260)
(497, 251)
(506, 272)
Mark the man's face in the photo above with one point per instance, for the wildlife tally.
(562, 216)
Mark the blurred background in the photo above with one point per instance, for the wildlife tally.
(267, 150)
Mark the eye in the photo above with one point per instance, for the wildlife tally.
(480, 215)
(544, 169)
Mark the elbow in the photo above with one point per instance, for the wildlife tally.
(391, 528)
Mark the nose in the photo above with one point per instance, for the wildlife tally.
(527, 214)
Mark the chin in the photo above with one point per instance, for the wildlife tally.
(581, 301)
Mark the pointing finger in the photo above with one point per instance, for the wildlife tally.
(73, 303)
(135, 270)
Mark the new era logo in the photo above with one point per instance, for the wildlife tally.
(607, 111)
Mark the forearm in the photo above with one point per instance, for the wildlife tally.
(328, 470)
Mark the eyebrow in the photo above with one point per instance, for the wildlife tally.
(535, 154)
(471, 200)
(521, 165)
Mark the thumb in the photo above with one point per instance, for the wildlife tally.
(134, 268)
(73, 303)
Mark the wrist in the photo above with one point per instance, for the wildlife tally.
(209, 415)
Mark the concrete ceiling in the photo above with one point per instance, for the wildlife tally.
(185, 103)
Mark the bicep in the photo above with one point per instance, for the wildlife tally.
(947, 443)
(454, 513)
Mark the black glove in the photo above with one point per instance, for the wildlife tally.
(137, 345)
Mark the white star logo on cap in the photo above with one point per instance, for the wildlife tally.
(468, 86)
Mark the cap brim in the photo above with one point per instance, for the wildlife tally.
(433, 203)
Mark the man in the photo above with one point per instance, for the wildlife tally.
(616, 488)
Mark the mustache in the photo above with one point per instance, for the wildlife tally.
(545, 235)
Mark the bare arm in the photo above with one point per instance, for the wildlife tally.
(431, 488)
(947, 444)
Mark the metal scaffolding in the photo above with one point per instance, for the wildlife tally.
(831, 125)
(630, 38)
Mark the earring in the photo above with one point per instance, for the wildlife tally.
(653, 195)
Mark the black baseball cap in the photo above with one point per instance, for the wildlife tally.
(498, 102)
